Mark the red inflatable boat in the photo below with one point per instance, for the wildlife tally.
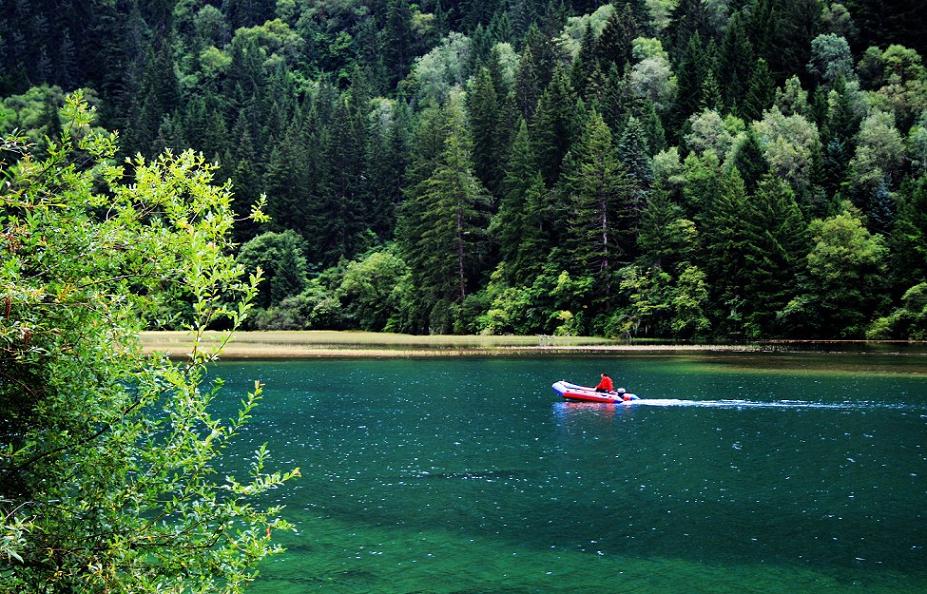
(585, 394)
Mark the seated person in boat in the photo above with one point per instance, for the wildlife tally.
(605, 384)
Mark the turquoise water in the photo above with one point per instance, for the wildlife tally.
(468, 475)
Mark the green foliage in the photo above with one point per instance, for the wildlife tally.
(760, 92)
(526, 218)
(109, 472)
(791, 145)
(375, 289)
(908, 322)
(774, 245)
(909, 235)
(554, 126)
(844, 279)
(340, 112)
(830, 58)
(485, 108)
(444, 219)
(651, 76)
(35, 114)
(440, 70)
(665, 238)
(899, 83)
(603, 202)
(281, 258)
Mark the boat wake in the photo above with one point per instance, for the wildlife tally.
(803, 404)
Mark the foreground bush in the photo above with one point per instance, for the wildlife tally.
(108, 459)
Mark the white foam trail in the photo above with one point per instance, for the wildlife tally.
(846, 405)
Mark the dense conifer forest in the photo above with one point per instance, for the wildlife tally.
(729, 169)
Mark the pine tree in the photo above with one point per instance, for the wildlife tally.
(285, 185)
(523, 13)
(761, 92)
(835, 157)
(481, 44)
(602, 195)
(500, 27)
(443, 227)
(554, 126)
(880, 208)
(774, 248)
(246, 182)
(434, 126)
(520, 223)
(585, 61)
(247, 13)
(615, 43)
(386, 159)
(344, 154)
(688, 19)
(909, 235)
(723, 249)
(690, 77)
(527, 84)
(66, 70)
(711, 93)
(653, 128)
(750, 161)
(735, 63)
(632, 152)
(596, 89)
(545, 52)
(476, 13)
(485, 125)
(617, 101)
(398, 40)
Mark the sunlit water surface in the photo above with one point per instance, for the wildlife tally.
(760, 474)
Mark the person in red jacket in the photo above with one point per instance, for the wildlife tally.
(605, 385)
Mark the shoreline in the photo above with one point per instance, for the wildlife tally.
(324, 344)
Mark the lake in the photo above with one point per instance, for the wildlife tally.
(468, 475)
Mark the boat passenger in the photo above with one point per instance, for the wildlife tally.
(605, 385)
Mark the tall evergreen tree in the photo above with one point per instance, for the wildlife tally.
(761, 92)
(602, 197)
(522, 225)
(445, 218)
(585, 61)
(398, 40)
(774, 247)
(485, 111)
(750, 161)
(735, 63)
(344, 154)
(909, 236)
(554, 126)
(723, 252)
(632, 151)
(546, 52)
(285, 185)
(687, 20)
(615, 43)
(527, 84)
(666, 238)
(692, 71)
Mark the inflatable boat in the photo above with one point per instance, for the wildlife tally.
(585, 394)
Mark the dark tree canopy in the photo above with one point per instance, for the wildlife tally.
(341, 114)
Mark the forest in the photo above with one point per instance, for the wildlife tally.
(685, 169)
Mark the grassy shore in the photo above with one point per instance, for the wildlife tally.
(325, 343)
